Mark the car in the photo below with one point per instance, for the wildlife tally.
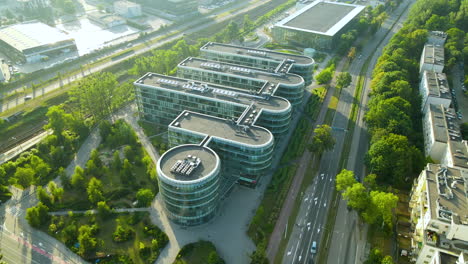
(313, 249)
(27, 98)
(460, 116)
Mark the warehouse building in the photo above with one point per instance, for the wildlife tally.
(34, 41)
(318, 25)
(287, 85)
(259, 58)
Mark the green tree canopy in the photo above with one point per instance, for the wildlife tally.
(144, 197)
(323, 139)
(95, 191)
(344, 180)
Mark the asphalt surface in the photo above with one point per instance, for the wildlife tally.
(314, 208)
(184, 29)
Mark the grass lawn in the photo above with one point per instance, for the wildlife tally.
(133, 248)
(195, 253)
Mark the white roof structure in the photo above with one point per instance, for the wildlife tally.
(322, 17)
(31, 35)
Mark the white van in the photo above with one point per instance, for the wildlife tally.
(313, 249)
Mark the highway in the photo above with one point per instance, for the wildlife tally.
(315, 201)
(178, 33)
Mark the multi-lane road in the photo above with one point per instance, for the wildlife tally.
(310, 223)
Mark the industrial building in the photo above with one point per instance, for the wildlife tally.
(259, 58)
(434, 89)
(439, 215)
(127, 9)
(105, 20)
(34, 41)
(281, 83)
(318, 25)
(432, 59)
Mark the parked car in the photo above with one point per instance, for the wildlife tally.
(313, 249)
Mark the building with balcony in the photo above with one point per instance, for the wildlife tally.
(432, 59)
(318, 25)
(434, 89)
(442, 137)
(439, 215)
(256, 81)
(189, 179)
(260, 58)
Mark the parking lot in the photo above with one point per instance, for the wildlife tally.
(461, 104)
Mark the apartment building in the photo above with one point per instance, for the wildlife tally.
(439, 215)
(434, 89)
(432, 59)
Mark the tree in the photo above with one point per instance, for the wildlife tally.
(103, 209)
(126, 173)
(390, 114)
(391, 158)
(43, 196)
(37, 215)
(214, 258)
(323, 139)
(94, 191)
(56, 192)
(344, 180)
(144, 197)
(247, 24)
(116, 162)
(384, 203)
(352, 53)
(58, 120)
(96, 158)
(24, 176)
(343, 79)
(88, 242)
(78, 180)
(357, 197)
(324, 76)
(97, 95)
(129, 153)
(40, 168)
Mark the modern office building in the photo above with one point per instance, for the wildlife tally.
(434, 89)
(189, 179)
(260, 58)
(439, 215)
(432, 59)
(256, 81)
(127, 9)
(319, 25)
(162, 98)
(33, 41)
(442, 137)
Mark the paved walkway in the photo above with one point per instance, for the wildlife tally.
(116, 210)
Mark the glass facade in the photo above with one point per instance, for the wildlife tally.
(238, 159)
(305, 71)
(292, 93)
(192, 202)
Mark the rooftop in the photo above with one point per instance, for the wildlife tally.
(447, 258)
(437, 84)
(125, 3)
(222, 129)
(322, 17)
(250, 73)
(217, 92)
(262, 53)
(447, 189)
(444, 124)
(433, 54)
(188, 162)
(31, 35)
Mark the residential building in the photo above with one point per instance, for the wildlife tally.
(319, 25)
(434, 89)
(257, 81)
(436, 38)
(442, 137)
(260, 58)
(439, 215)
(189, 179)
(33, 4)
(127, 9)
(34, 41)
(432, 59)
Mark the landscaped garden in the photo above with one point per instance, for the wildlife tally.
(201, 252)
